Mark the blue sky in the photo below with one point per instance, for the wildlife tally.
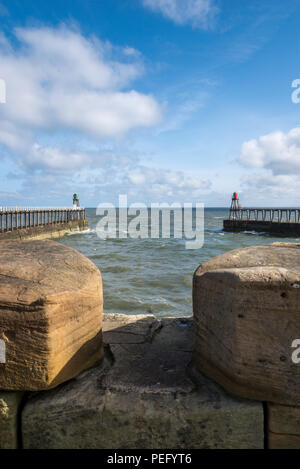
(162, 100)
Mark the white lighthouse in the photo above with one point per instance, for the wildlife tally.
(76, 203)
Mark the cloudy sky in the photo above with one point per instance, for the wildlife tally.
(162, 100)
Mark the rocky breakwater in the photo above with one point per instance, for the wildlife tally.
(247, 315)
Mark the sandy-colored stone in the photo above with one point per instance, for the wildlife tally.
(9, 410)
(283, 441)
(284, 419)
(147, 397)
(247, 313)
(147, 368)
(283, 426)
(133, 329)
(50, 314)
(51, 231)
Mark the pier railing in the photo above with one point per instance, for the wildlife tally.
(18, 218)
(277, 215)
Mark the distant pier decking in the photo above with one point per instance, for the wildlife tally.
(40, 222)
(277, 221)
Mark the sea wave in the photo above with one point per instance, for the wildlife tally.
(116, 269)
(82, 232)
(155, 275)
(257, 233)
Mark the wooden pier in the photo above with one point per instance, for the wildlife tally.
(277, 221)
(40, 222)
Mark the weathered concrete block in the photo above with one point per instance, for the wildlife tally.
(50, 314)
(144, 395)
(283, 426)
(143, 366)
(247, 313)
(9, 409)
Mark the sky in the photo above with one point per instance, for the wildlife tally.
(162, 100)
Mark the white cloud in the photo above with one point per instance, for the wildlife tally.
(69, 101)
(281, 184)
(273, 169)
(168, 183)
(105, 114)
(58, 80)
(265, 188)
(54, 159)
(277, 151)
(196, 12)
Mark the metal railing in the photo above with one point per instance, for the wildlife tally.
(20, 218)
(276, 215)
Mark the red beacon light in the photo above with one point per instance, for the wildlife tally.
(235, 206)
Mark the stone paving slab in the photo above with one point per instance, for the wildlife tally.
(145, 394)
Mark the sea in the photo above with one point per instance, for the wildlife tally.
(142, 276)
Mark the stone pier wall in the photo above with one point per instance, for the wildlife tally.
(45, 232)
(276, 228)
(247, 317)
(74, 378)
(145, 394)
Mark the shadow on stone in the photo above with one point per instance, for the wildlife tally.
(142, 395)
(89, 354)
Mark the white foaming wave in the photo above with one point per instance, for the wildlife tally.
(257, 233)
(81, 232)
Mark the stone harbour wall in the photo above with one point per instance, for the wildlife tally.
(145, 394)
(260, 226)
(222, 379)
(45, 231)
(247, 316)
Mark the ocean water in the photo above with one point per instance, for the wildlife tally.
(155, 275)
